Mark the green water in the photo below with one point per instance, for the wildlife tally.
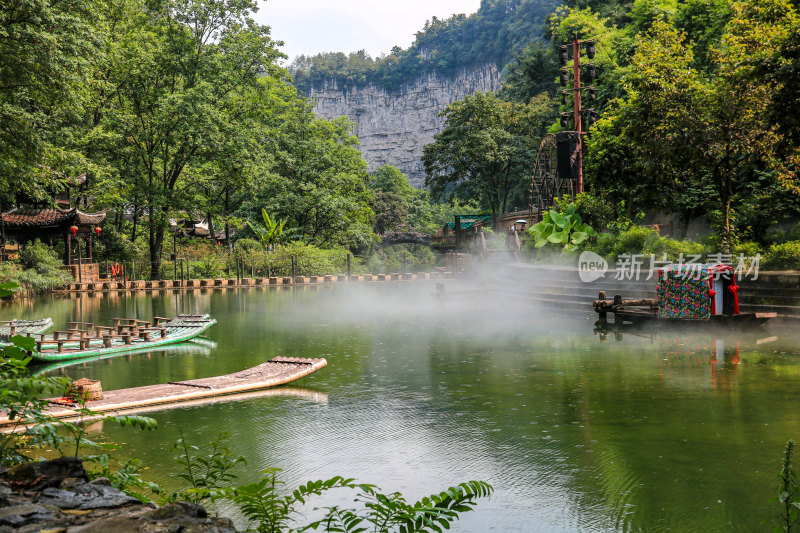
(642, 432)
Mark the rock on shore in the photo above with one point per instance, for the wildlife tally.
(57, 496)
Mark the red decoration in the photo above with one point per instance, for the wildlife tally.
(97, 231)
(74, 230)
(735, 291)
(735, 359)
(712, 293)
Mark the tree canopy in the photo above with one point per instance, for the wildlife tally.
(486, 149)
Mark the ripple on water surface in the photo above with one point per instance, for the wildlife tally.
(642, 432)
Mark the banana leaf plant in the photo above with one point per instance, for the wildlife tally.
(564, 229)
(271, 232)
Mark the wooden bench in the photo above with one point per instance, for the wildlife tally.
(74, 325)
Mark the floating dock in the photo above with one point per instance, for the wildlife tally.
(84, 339)
(276, 371)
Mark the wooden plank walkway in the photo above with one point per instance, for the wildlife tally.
(276, 371)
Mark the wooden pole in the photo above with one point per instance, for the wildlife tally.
(80, 262)
(602, 296)
(349, 264)
(576, 77)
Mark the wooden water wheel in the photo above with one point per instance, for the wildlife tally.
(546, 184)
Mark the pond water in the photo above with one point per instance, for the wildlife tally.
(667, 431)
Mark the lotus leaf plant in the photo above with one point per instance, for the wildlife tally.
(564, 228)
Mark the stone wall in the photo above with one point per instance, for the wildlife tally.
(393, 127)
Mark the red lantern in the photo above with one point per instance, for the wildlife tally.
(74, 230)
(97, 231)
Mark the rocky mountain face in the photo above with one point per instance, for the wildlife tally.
(394, 126)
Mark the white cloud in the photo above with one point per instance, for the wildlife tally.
(313, 26)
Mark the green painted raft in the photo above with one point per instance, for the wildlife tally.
(9, 328)
(125, 335)
(198, 345)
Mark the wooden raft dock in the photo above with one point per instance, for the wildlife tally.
(276, 371)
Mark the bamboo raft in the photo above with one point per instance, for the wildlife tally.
(9, 328)
(276, 371)
(84, 339)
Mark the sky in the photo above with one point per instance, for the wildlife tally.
(313, 26)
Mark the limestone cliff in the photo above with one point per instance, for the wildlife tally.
(394, 126)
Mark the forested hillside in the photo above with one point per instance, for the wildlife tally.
(494, 34)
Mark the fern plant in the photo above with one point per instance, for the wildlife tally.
(268, 508)
(385, 513)
(271, 511)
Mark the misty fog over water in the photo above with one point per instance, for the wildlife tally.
(630, 430)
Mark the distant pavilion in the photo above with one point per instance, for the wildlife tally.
(24, 224)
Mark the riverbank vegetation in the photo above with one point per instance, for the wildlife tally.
(780, 250)
(37, 270)
(695, 120)
(180, 116)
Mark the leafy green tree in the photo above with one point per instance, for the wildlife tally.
(389, 211)
(703, 22)
(398, 205)
(765, 37)
(44, 70)
(486, 149)
(177, 106)
(531, 73)
(643, 148)
(317, 180)
(687, 132)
